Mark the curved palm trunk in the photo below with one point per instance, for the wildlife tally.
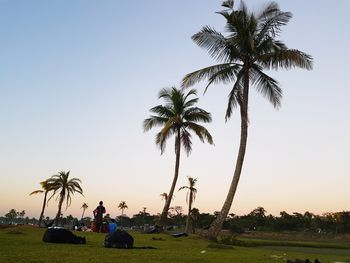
(59, 209)
(121, 218)
(82, 215)
(216, 226)
(42, 210)
(164, 215)
(187, 228)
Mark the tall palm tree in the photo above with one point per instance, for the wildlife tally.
(84, 207)
(122, 205)
(46, 188)
(191, 195)
(178, 117)
(66, 189)
(249, 48)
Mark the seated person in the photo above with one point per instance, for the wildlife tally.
(112, 226)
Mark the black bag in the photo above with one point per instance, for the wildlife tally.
(60, 235)
(119, 239)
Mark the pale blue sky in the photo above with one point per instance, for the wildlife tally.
(77, 78)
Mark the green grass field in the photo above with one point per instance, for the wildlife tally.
(24, 244)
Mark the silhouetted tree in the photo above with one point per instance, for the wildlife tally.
(178, 117)
(249, 48)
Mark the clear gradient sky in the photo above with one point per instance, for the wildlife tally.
(77, 79)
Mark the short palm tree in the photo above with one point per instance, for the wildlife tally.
(249, 48)
(194, 217)
(65, 188)
(46, 188)
(178, 117)
(122, 206)
(164, 196)
(84, 207)
(190, 197)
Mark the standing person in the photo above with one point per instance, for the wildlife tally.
(98, 214)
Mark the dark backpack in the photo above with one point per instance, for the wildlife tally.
(119, 239)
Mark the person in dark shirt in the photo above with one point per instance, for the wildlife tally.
(98, 214)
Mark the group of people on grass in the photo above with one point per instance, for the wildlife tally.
(99, 224)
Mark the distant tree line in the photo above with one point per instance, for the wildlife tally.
(256, 220)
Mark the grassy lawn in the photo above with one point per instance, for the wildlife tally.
(24, 244)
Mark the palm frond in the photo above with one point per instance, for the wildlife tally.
(214, 42)
(271, 20)
(74, 184)
(225, 75)
(183, 187)
(286, 58)
(165, 94)
(196, 114)
(202, 133)
(187, 103)
(236, 24)
(190, 103)
(164, 134)
(269, 45)
(191, 92)
(37, 192)
(202, 74)
(243, 8)
(235, 95)
(52, 195)
(68, 201)
(267, 86)
(228, 3)
(194, 192)
(225, 13)
(186, 141)
(177, 101)
(153, 121)
(162, 111)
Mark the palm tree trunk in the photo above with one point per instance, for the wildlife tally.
(82, 215)
(59, 209)
(164, 215)
(42, 210)
(121, 218)
(216, 226)
(187, 228)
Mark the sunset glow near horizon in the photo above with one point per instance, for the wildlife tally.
(78, 78)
